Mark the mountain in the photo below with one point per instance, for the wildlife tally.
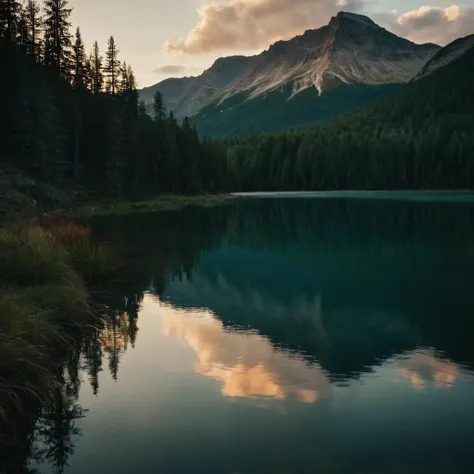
(312, 77)
(186, 96)
(420, 137)
(446, 55)
(351, 49)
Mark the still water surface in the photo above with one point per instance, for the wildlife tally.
(280, 336)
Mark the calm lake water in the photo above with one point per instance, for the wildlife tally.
(279, 336)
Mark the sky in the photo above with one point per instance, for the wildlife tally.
(176, 38)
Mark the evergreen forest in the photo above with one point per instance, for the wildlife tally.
(71, 114)
(420, 137)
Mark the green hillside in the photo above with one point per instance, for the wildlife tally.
(419, 137)
(278, 110)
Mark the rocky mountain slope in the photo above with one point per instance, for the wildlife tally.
(351, 50)
(447, 55)
(187, 95)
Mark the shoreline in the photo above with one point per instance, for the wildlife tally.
(168, 202)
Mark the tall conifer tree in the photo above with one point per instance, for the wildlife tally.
(35, 24)
(112, 66)
(96, 61)
(10, 13)
(57, 36)
(79, 72)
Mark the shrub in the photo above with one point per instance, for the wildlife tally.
(64, 229)
(25, 330)
(31, 256)
(93, 262)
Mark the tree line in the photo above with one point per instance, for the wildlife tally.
(72, 117)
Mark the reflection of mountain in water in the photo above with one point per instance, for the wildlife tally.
(344, 341)
(348, 282)
(247, 365)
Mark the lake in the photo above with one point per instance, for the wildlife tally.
(305, 334)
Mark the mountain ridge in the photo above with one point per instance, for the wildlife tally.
(351, 50)
(446, 55)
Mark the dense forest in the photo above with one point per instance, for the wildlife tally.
(280, 109)
(72, 117)
(420, 137)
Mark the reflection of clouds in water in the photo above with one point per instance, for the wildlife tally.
(424, 367)
(246, 364)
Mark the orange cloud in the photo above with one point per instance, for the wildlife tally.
(245, 363)
(246, 25)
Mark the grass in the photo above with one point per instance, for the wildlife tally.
(45, 268)
(171, 202)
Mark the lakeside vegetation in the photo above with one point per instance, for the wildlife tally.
(45, 307)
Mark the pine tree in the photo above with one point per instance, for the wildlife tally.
(96, 61)
(88, 74)
(79, 71)
(112, 67)
(22, 35)
(57, 37)
(34, 23)
(171, 120)
(159, 108)
(10, 12)
(132, 82)
(127, 79)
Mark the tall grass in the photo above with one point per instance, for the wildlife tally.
(44, 271)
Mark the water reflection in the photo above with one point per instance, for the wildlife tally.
(425, 368)
(359, 314)
(245, 363)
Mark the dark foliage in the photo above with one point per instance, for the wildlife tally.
(279, 110)
(68, 117)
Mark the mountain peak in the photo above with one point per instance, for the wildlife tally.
(343, 16)
(351, 50)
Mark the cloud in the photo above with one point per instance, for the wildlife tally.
(166, 69)
(429, 24)
(247, 25)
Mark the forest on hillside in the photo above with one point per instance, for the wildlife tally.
(420, 137)
(72, 115)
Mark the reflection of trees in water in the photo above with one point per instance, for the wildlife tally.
(113, 337)
(56, 429)
(48, 434)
